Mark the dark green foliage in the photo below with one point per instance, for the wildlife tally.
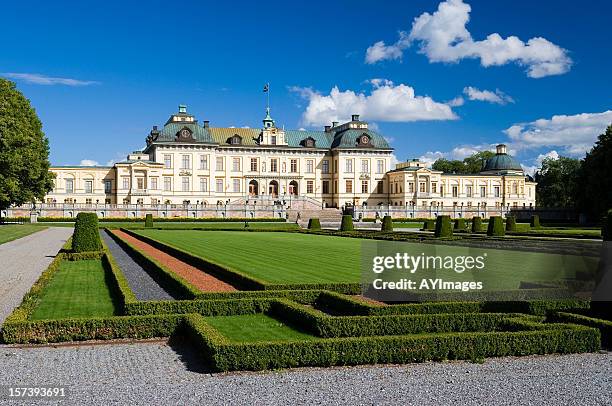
(604, 326)
(460, 224)
(149, 221)
(429, 225)
(314, 224)
(476, 224)
(24, 150)
(510, 223)
(557, 182)
(444, 228)
(594, 191)
(606, 228)
(535, 221)
(496, 227)
(387, 224)
(471, 164)
(86, 236)
(347, 223)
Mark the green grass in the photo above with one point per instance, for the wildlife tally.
(295, 258)
(10, 232)
(407, 224)
(256, 327)
(78, 289)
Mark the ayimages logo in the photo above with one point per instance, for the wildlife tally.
(412, 263)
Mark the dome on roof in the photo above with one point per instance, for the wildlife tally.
(502, 161)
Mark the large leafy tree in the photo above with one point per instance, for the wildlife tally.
(557, 182)
(595, 192)
(24, 150)
(471, 164)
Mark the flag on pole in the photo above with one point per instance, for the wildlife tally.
(266, 88)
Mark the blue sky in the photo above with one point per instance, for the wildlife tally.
(101, 75)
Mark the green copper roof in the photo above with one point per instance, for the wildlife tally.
(502, 162)
(349, 139)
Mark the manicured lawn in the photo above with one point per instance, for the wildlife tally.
(301, 258)
(78, 289)
(595, 233)
(10, 232)
(256, 327)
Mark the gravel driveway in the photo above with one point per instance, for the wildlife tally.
(154, 373)
(23, 260)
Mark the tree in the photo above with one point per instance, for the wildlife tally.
(595, 178)
(557, 182)
(471, 164)
(24, 150)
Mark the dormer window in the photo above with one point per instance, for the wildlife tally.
(364, 140)
(308, 142)
(235, 140)
(273, 140)
(184, 134)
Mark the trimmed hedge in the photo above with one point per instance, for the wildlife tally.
(387, 224)
(535, 221)
(86, 236)
(496, 227)
(604, 326)
(314, 224)
(444, 228)
(510, 223)
(149, 221)
(429, 225)
(347, 223)
(476, 224)
(460, 224)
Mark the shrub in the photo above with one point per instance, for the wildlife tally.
(429, 225)
(443, 227)
(510, 223)
(476, 224)
(149, 221)
(86, 236)
(496, 227)
(387, 224)
(314, 224)
(535, 221)
(460, 224)
(606, 229)
(347, 223)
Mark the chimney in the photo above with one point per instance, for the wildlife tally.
(327, 128)
(355, 117)
(206, 123)
(335, 124)
(154, 128)
(501, 149)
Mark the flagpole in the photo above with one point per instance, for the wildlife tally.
(268, 94)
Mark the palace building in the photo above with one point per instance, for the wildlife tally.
(186, 163)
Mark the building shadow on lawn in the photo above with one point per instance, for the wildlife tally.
(189, 355)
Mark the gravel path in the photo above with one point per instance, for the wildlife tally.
(23, 260)
(195, 276)
(141, 283)
(154, 373)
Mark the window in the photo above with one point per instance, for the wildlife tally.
(410, 188)
(434, 187)
(335, 187)
(468, 191)
(140, 183)
(273, 165)
(219, 163)
(167, 161)
(293, 166)
(273, 139)
(167, 184)
(108, 186)
(253, 164)
(236, 185)
(88, 201)
(185, 184)
(515, 188)
(236, 164)
(325, 186)
(441, 190)
(203, 184)
(107, 201)
(365, 166)
(69, 185)
(126, 201)
(380, 166)
(126, 182)
(325, 166)
(186, 162)
(309, 166)
(422, 187)
(349, 166)
(154, 202)
(483, 191)
(496, 191)
(88, 186)
(364, 186)
(154, 183)
(455, 191)
(380, 187)
(219, 186)
(309, 186)
(204, 162)
(349, 186)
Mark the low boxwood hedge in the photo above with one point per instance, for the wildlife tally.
(429, 225)
(460, 224)
(314, 224)
(387, 224)
(604, 326)
(476, 224)
(149, 221)
(510, 223)
(535, 222)
(444, 227)
(496, 227)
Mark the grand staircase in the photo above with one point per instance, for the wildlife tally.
(296, 206)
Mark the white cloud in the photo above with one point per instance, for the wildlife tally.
(532, 169)
(88, 162)
(497, 96)
(386, 102)
(575, 134)
(38, 79)
(554, 155)
(443, 37)
(456, 102)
